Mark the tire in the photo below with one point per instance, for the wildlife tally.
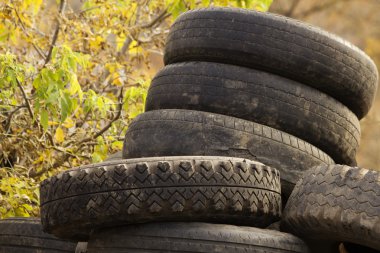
(338, 203)
(278, 45)
(353, 248)
(81, 247)
(193, 238)
(215, 189)
(262, 97)
(185, 132)
(24, 235)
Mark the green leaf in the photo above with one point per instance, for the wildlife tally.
(75, 86)
(177, 7)
(37, 82)
(248, 3)
(44, 118)
(117, 145)
(66, 105)
(52, 98)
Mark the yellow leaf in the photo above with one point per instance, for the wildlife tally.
(117, 145)
(96, 42)
(52, 123)
(59, 135)
(118, 81)
(134, 48)
(68, 123)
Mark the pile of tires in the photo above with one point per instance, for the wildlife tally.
(25, 235)
(247, 105)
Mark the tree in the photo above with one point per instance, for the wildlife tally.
(72, 76)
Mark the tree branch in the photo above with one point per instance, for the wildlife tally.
(89, 9)
(160, 17)
(26, 99)
(61, 160)
(10, 116)
(38, 50)
(56, 32)
(126, 44)
(109, 124)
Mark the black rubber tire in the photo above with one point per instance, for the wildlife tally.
(279, 45)
(355, 248)
(261, 97)
(81, 247)
(193, 238)
(185, 132)
(336, 203)
(24, 235)
(214, 189)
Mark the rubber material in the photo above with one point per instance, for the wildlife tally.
(24, 235)
(278, 45)
(337, 203)
(81, 247)
(216, 189)
(193, 238)
(185, 132)
(262, 97)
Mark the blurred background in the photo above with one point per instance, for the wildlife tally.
(73, 73)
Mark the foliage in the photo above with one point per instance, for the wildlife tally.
(72, 76)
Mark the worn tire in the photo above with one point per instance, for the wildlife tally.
(24, 235)
(193, 238)
(216, 189)
(262, 97)
(185, 132)
(336, 202)
(278, 45)
(81, 247)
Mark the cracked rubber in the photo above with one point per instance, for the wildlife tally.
(184, 132)
(24, 235)
(336, 202)
(279, 45)
(261, 97)
(193, 238)
(215, 189)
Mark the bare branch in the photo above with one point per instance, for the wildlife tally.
(10, 116)
(80, 124)
(132, 34)
(66, 155)
(59, 162)
(109, 124)
(126, 44)
(160, 17)
(38, 50)
(56, 32)
(26, 99)
(89, 9)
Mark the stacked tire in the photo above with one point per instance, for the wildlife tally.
(246, 103)
(25, 235)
